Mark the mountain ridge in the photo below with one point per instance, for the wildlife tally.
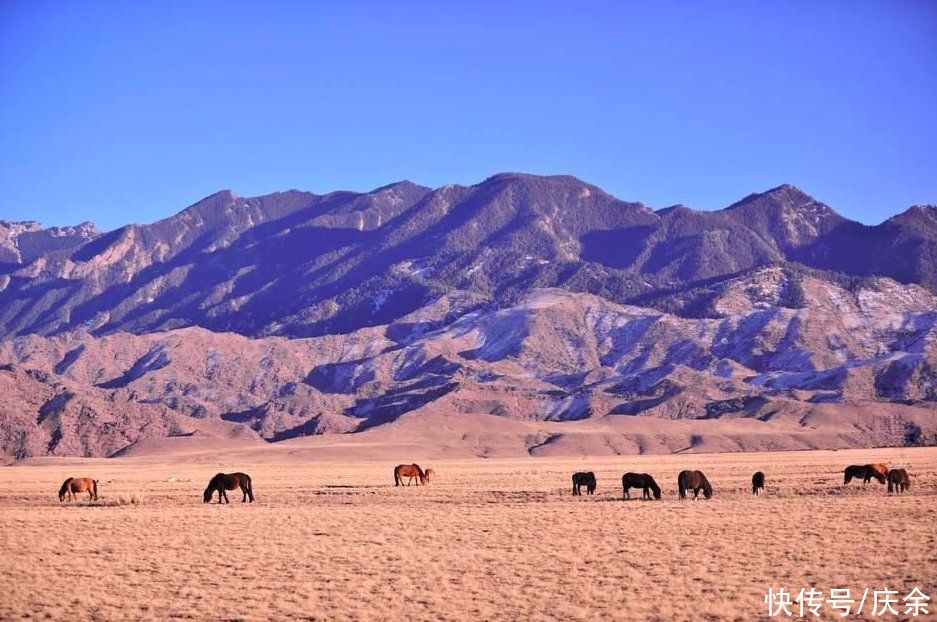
(365, 258)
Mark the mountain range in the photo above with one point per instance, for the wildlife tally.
(539, 299)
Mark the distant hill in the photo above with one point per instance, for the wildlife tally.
(525, 297)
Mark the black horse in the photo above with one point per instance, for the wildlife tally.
(695, 481)
(865, 471)
(229, 481)
(758, 483)
(639, 480)
(898, 481)
(583, 479)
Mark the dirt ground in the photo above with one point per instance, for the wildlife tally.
(488, 540)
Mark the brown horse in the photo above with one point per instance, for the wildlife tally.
(639, 480)
(74, 485)
(229, 481)
(880, 468)
(430, 474)
(695, 481)
(898, 480)
(865, 471)
(410, 471)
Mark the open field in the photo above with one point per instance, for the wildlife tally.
(489, 539)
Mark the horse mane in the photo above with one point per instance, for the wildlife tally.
(707, 488)
(64, 487)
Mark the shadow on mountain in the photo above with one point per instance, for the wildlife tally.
(153, 360)
(391, 405)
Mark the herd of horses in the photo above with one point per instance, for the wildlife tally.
(898, 482)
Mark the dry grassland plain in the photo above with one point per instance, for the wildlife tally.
(499, 539)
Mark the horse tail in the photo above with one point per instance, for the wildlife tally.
(95, 486)
(396, 478)
(250, 487)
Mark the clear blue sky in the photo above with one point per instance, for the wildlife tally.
(129, 111)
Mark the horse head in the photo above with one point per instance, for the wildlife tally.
(64, 489)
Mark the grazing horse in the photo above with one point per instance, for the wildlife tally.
(430, 474)
(898, 480)
(695, 481)
(229, 481)
(879, 468)
(758, 483)
(586, 479)
(409, 471)
(865, 471)
(639, 480)
(74, 485)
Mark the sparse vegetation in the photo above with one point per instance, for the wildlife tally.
(493, 539)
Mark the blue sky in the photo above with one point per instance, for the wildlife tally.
(129, 111)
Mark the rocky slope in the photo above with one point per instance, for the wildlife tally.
(851, 366)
